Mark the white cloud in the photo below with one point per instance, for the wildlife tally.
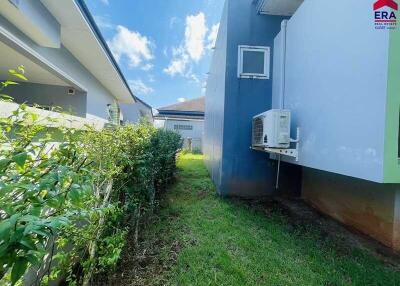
(204, 87)
(147, 67)
(132, 45)
(181, 99)
(191, 50)
(139, 87)
(103, 22)
(165, 52)
(195, 34)
(193, 77)
(179, 51)
(105, 2)
(173, 21)
(178, 65)
(212, 36)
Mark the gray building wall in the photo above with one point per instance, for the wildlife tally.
(132, 113)
(50, 95)
(232, 102)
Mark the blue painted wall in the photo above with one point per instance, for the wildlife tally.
(215, 104)
(336, 86)
(232, 102)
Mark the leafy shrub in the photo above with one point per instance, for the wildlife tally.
(65, 207)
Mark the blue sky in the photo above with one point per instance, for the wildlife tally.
(164, 47)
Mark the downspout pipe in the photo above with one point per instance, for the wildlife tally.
(283, 64)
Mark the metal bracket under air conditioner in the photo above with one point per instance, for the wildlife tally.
(289, 152)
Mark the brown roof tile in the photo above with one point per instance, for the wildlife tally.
(197, 104)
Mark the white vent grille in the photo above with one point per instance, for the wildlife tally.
(279, 7)
(258, 130)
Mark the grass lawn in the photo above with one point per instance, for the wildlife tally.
(201, 239)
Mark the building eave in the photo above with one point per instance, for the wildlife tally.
(181, 113)
(81, 36)
(97, 33)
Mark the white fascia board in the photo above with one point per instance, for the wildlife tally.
(34, 20)
(157, 117)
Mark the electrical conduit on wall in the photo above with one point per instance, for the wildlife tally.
(283, 64)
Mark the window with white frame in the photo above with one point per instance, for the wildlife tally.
(254, 62)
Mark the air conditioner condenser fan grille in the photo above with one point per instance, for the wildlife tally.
(258, 130)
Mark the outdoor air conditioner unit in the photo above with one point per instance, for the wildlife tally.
(271, 129)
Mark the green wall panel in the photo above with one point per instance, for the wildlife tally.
(391, 165)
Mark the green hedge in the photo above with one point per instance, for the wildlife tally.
(83, 193)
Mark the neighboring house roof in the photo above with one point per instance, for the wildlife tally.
(194, 105)
(178, 117)
(191, 109)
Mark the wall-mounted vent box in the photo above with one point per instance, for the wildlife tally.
(271, 129)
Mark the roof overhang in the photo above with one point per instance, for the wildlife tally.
(16, 52)
(11, 57)
(179, 115)
(33, 20)
(163, 112)
(278, 7)
(177, 118)
(81, 36)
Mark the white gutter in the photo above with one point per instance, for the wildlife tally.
(178, 119)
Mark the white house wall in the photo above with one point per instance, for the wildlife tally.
(336, 86)
(196, 134)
